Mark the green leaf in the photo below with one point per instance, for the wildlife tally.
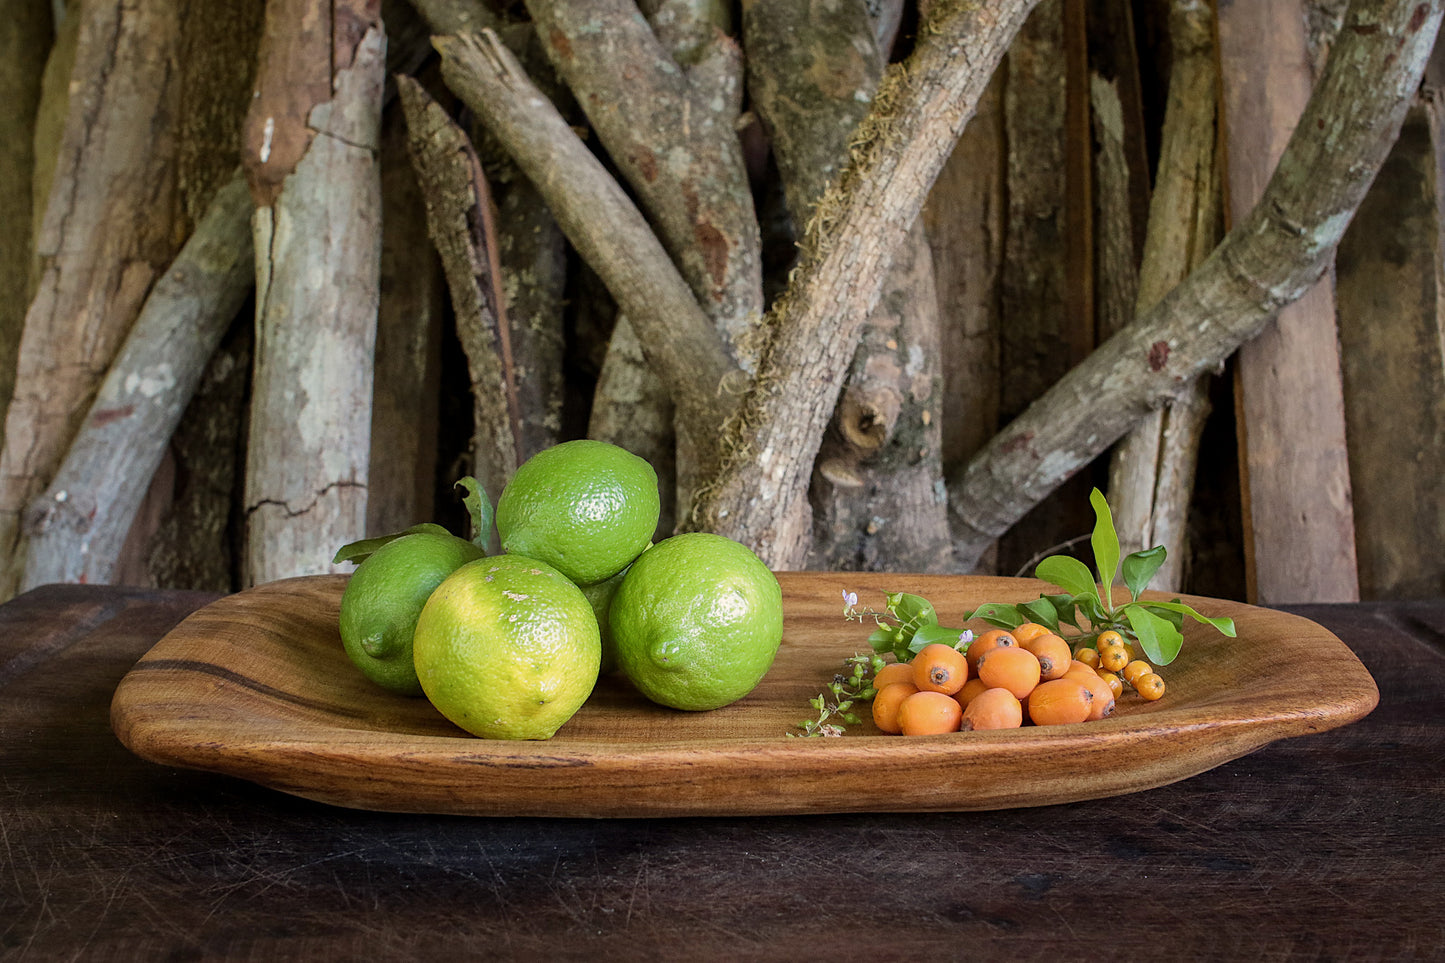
(1042, 611)
(1160, 640)
(1105, 542)
(480, 510)
(999, 614)
(1092, 610)
(929, 634)
(1140, 567)
(1066, 609)
(1069, 574)
(1224, 625)
(360, 551)
(883, 638)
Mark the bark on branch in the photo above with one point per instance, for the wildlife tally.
(310, 149)
(1267, 261)
(77, 526)
(759, 497)
(599, 219)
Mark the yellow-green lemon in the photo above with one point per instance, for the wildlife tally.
(383, 598)
(697, 621)
(585, 507)
(507, 648)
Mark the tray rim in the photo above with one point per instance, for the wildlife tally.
(151, 736)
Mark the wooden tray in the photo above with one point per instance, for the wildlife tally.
(257, 685)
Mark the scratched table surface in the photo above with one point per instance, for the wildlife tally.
(1327, 846)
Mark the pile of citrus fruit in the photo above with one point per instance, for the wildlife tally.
(510, 646)
(1003, 678)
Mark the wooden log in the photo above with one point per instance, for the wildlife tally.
(964, 220)
(75, 529)
(759, 496)
(25, 39)
(812, 73)
(108, 233)
(668, 121)
(405, 397)
(1151, 480)
(1299, 537)
(460, 220)
(601, 222)
(1046, 306)
(1267, 261)
(1393, 348)
(310, 150)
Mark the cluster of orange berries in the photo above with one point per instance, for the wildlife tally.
(1005, 676)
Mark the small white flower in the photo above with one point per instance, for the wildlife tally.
(850, 599)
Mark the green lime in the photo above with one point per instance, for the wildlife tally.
(383, 598)
(585, 507)
(697, 621)
(600, 594)
(507, 648)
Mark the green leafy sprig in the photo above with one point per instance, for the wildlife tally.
(1155, 624)
(834, 707)
(905, 626)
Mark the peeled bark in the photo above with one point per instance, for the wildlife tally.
(1267, 260)
(310, 148)
(108, 233)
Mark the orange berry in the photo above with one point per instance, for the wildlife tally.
(1088, 656)
(1011, 668)
(1150, 686)
(1113, 658)
(891, 673)
(1052, 653)
(1108, 639)
(993, 709)
(940, 668)
(1135, 669)
(987, 642)
(1115, 684)
(886, 703)
(1060, 702)
(929, 713)
(1104, 698)
(1027, 632)
(971, 689)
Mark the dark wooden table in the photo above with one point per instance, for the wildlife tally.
(1330, 846)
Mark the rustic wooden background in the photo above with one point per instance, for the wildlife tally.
(1319, 444)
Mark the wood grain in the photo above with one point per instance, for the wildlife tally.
(256, 685)
(1299, 538)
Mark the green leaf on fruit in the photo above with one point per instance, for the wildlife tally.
(360, 551)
